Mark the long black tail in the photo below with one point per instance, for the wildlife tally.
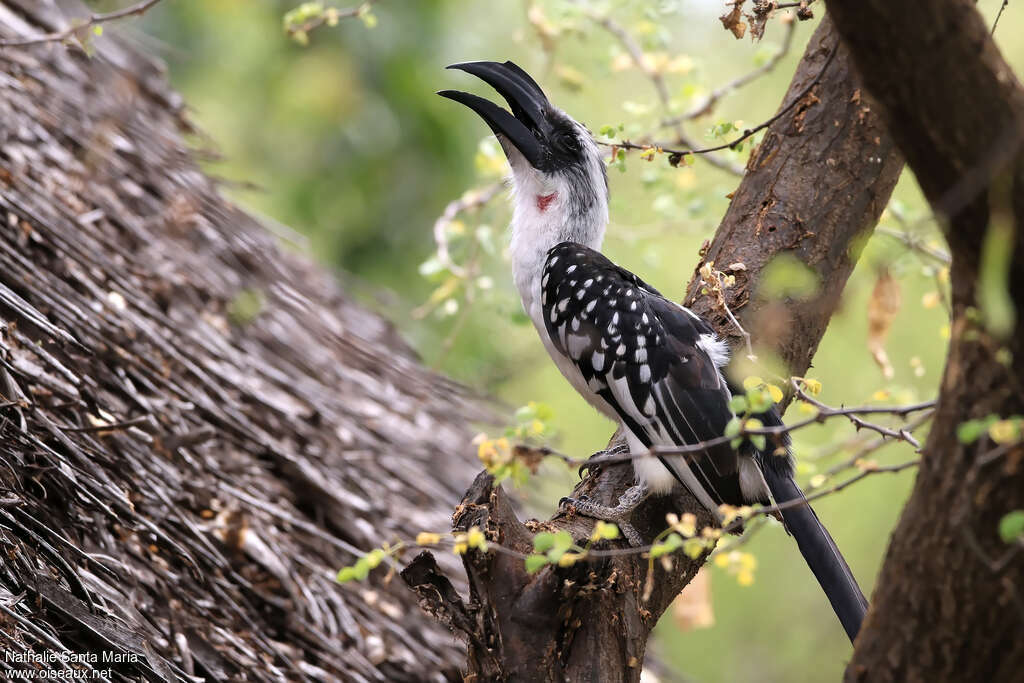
(820, 552)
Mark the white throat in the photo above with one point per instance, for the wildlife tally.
(548, 210)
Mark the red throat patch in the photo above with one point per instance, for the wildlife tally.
(544, 201)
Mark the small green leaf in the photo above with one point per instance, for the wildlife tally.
(732, 427)
(738, 405)
(535, 562)
(97, 30)
(543, 541)
(346, 574)
(361, 569)
(1011, 526)
(970, 431)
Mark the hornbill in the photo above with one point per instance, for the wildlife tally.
(651, 365)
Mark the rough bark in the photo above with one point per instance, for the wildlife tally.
(181, 478)
(591, 621)
(949, 603)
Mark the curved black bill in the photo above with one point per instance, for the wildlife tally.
(526, 126)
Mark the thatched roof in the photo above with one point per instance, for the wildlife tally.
(197, 427)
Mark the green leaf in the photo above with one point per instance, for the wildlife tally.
(361, 569)
(970, 431)
(346, 574)
(738, 405)
(543, 541)
(534, 563)
(1011, 526)
(732, 427)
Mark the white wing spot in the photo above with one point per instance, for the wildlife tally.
(562, 305)
(621, 350)
(632, 306)
(645, 373)
(588, 282)
(575, 324)
(645, 318)
(615, 318)
(570, 269)
(590, 306)
(553, 261)
(597, 360)
(641, 357)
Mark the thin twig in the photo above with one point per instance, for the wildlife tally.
(76, 28)
(824, 412)
(709, 102)
(330, 15)
(471, 199)
(998, 17)
(626, 144)
(636, 53)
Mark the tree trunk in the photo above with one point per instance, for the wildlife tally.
(949, 605)
(591, 621)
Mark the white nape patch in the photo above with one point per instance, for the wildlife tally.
(716, 349)
(752, 483)
(645, 377)
(641, 357)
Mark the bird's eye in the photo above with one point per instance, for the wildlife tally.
(570, 142)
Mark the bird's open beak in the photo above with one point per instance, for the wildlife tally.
(526, 127)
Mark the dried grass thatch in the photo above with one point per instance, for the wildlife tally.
(181, 478)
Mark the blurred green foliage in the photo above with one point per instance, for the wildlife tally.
(350, 147)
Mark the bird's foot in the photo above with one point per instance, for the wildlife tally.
(594, 461)
(619, 514)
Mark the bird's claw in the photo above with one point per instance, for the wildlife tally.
(584, 506)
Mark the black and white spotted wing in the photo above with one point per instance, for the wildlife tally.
(643, 355)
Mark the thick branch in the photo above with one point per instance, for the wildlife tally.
(814, 190)
(591, 621)
(943, 608)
